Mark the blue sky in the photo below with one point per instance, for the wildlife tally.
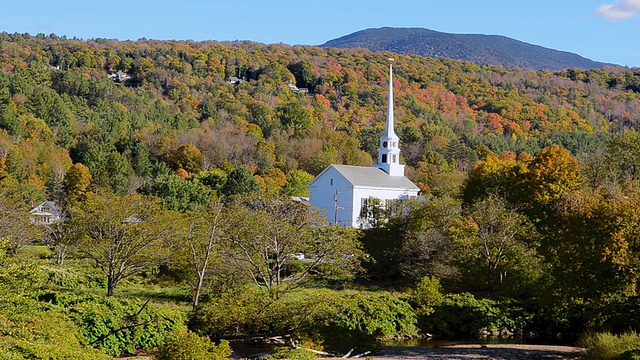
(602, 30)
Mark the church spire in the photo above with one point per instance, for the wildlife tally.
(389, 151)
(389, 131)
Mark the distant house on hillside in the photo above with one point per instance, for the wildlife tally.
(234, 80)
(45, 213)
(120, 76)
(296, 89)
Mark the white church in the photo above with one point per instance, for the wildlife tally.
(341, 191)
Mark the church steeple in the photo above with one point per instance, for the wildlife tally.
(389, 151)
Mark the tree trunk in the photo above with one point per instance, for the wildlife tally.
(111, 285)
(61, 253)
(196, 295)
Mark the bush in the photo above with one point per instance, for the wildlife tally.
(427, 296)
(116, 325)
(293, 354)
(32, 330)
(360, 319)
(464, 316)
(629, 355)
(337, 320)
(233, 312)
(61, 277)
(182, 344)
(606, 346)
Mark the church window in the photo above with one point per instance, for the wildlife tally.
(394, 158)
(384, 159)
(331, 182)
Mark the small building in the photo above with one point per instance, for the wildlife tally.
(120, 76)
(234, 80)
(296, 89)
(45, 213)
(344, 192)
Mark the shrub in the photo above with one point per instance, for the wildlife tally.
(337, 320)
(32, 330)
(427, 296)
(352, 319)
(182, 344)
(462, 315)
(607, 346)
(633, 354)
(233, 312)
(62, 277)
(116, 325)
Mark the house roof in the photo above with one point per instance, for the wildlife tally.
(363, 176)
(37, 210)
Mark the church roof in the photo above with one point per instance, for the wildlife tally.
(363, 176)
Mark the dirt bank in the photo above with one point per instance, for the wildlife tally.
(494, 352)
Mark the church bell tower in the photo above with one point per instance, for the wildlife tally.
(389, 150)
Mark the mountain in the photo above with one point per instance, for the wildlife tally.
(480, 49)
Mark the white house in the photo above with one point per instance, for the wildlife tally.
(341, 191)
(45, 213)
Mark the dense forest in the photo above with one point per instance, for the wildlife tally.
(174, 162)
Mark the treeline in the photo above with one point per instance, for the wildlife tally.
(177, 111)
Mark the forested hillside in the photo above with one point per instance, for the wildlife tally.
(476, 48)
(173, 163)
(179, 112)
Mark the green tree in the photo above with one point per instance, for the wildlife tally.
(428, 248)
(8, 119)
(497, 241)
(214, 179)
(297, 181)
(240, 181)
(199, 245)
(109, 169)
(295, 116)
(122, 235)
(176, 193)
(267, 233)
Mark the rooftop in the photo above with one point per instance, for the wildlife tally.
(364, 176)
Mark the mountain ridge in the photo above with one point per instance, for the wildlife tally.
(497, 50)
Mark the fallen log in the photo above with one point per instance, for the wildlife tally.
(349, 353)
(361, 355)
(317, 351)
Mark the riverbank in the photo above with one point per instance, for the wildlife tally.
(490, 351)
